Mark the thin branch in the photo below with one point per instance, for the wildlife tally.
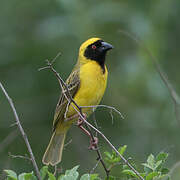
(99, 158)
(69, 142)
(95, 121)
(55, 170)
(175, 97)
(78, 110)
(93, 169)
(22, 131)
(105, 106)
(20, 156)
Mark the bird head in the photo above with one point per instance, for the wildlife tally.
(94, 49)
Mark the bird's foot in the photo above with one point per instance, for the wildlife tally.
(93, 143)
(81, 120)
(94, 140)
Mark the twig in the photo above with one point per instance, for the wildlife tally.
(22, 131)
(95, 121)
(93, 169)
(8, 140)
(69, 142)
(55, 170)
(99, 158)
(105, 106)
(174, 96)
(20, 156)
(78, 110)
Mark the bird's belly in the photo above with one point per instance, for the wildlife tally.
(90, 94)
(92, 87)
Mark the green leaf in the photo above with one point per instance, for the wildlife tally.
(116, 160)
(129, 172)
(11, 174)
(151, 161)
(162, 156)
(90, 177)
(21, 176)
(147, 166)
(70, 174)
(108, 155)
(30, 176)
(114, 154)
(110, 178)
(143, 174)
(85, 177)
(165, 171)
(94, 177)
(146, 169)
(61, 176)
(72, 171)
(110, 161)
(27, 176)
(122, 149)
(113, 157)
(43, 172)
(151, 175)
(158, 164)
(67, 177)
(51, 176)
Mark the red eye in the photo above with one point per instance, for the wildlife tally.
(93, 47)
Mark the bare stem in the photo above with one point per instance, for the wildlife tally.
(22, 131)
(105, 106)
(20, 156)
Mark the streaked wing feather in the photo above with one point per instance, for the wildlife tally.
(73, 83)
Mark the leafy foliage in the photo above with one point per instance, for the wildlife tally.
(71, 174)
(153, 169)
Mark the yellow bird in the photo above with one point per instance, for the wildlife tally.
(87, 84)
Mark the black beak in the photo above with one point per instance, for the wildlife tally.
(106, 46)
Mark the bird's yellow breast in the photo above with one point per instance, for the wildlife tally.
(92, 86)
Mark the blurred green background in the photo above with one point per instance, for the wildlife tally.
(32, 31)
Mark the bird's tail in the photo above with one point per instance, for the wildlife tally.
(53, 153)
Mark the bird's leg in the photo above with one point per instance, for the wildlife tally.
(93, 140)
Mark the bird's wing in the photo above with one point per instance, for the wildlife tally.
(73, 84)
